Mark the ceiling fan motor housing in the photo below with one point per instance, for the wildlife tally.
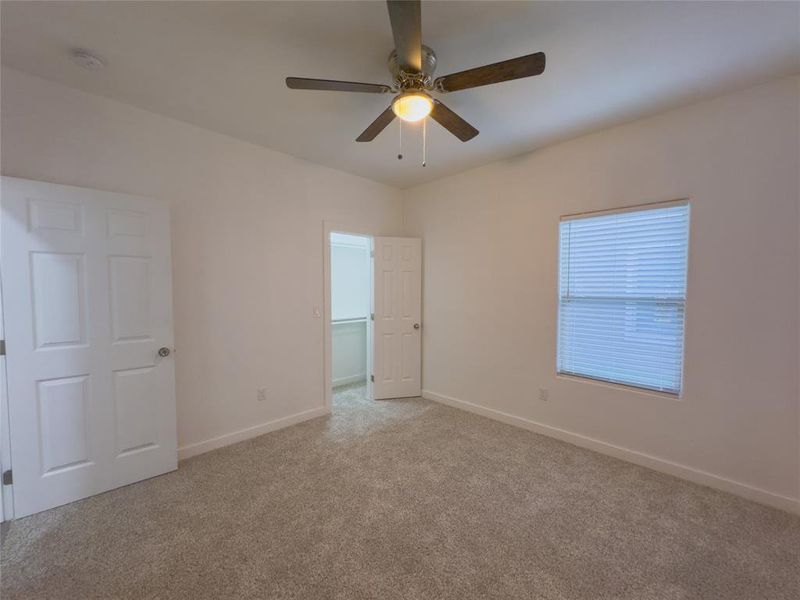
(406, 80)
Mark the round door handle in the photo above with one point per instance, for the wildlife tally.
(416, 325)
(163, 352)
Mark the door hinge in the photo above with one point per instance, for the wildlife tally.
(372, 378)
(372, 253)
(371, 316)
(8, 477)
(2, 347)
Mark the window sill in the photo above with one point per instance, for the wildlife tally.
(621, 387)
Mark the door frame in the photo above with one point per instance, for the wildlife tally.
(329, 227)
(6, 491)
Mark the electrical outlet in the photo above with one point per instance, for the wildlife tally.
(261, 394)
(543, 394)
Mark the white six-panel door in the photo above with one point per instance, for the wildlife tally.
(397, 333)
(87, 304)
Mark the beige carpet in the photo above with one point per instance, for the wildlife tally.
(405, 499)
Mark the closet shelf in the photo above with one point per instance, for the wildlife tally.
(341, 321)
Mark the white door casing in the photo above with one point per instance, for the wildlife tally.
(87, 303)
(370, 319)
(397, 335)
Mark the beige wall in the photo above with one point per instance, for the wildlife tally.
(490, 262)
(247, 227)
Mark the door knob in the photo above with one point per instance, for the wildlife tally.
(163, 352)
(416, 325)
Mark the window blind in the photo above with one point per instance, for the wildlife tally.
(622, 288)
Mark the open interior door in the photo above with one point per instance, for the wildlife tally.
(87, 308)
(397, 331)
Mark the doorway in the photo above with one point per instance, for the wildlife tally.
(392, 317)
(351, 310)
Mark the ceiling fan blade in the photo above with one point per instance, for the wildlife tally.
(378, 125)
(406, 19)
(452, 122)
(331, 85)
(506, 70)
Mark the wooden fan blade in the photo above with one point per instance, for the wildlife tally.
(507, 70)
(406, 19)
(331, 85)
(378, 125)
(452, 122)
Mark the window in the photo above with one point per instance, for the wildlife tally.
(622, 295)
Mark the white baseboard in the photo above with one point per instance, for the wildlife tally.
(349, 379)
(657, 464)
(196, 448)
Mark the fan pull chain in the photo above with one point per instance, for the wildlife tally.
(400, 154)
(424, 140)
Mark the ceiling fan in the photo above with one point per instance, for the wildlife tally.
(412, 64)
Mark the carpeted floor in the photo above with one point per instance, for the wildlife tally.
(405, 499)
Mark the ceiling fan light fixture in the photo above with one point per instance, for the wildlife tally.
(412, 64)
(412, 106)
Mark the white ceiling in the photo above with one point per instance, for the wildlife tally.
(221, 65)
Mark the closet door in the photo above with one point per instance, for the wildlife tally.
(87, 307)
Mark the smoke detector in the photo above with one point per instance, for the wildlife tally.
(87, 60)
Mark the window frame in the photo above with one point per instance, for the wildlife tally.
(630, 387)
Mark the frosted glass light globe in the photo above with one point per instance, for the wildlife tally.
(413, 106)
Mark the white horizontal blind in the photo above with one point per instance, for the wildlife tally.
(622, 286)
